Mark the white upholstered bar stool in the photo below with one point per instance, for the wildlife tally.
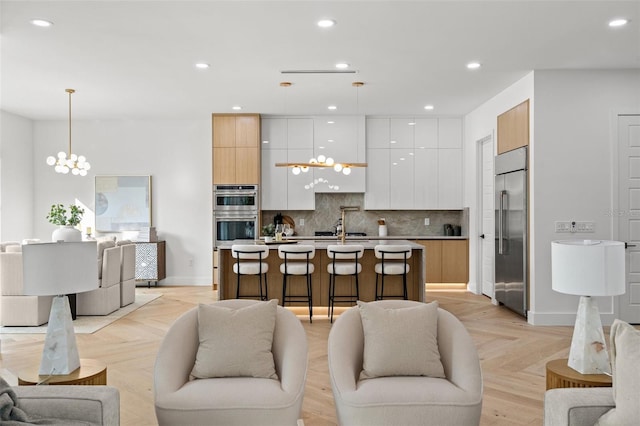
(343, 261)
(393, 262)
(297, 262)
(250, 261)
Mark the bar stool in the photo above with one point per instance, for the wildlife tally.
(249, 261)
(394, 262)
(297, 262)
(344, 262)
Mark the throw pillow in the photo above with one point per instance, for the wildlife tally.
(625, 353)
(400, 341)
(236, 342)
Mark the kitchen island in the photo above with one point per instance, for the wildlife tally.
(320, 278)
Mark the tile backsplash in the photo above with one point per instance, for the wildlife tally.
(399, 222)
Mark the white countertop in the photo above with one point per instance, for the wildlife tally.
(323, 242)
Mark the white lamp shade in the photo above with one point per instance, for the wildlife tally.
(51, 269)
(588, 267)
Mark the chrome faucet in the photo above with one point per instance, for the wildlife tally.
(343, 209)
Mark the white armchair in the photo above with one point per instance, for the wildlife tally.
(455, 399)
(179, 400)
(17, 309)
(106, 298)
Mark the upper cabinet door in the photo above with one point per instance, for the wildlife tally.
(377, 133)
(378, 183)
(274, 133)
(224, 131)
(401, 133)
(336, 137)
(449, 133)
(274, 179)
(247, 131)
(426, 133)
(300, 133)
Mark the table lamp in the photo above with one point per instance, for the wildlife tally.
(588, 268)
(57, 269)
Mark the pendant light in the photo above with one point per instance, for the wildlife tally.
(77, 164)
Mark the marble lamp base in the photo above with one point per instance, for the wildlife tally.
(588, 353)
(60, 353)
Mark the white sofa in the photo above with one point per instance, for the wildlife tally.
(17, 309)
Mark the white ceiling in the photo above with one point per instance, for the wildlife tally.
(135, 59)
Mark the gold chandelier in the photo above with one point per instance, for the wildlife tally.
(77, 164)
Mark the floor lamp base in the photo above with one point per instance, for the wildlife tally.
(588, 353)
(60, 353)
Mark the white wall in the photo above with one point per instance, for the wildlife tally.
(479, 123)
(573, 171)
(16, 178)
(177, 155)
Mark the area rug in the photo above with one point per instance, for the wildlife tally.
(88, 324)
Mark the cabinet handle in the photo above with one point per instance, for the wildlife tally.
(627, 245)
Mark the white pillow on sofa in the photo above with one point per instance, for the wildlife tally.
(236, 342)
(400, 341)
(625, 354)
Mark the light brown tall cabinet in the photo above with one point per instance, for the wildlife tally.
(513, 128)
(236, 148)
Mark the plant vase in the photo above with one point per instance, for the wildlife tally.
(66, 233)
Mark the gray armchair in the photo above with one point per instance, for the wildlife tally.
(99, 405)
(576, 406)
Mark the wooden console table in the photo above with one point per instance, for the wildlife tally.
(91, 372)
(151, 262)
(560, 375)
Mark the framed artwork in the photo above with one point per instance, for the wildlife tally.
(122, 203)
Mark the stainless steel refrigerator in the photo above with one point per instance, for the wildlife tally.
(511, 230)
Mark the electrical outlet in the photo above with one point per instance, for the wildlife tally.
(301, 222)
(426, 221)
(585, 227)
(563, 226)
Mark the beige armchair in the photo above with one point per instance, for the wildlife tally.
(96, 405)
(230, 400)
(127, 273)
(106, 298)
(17, 309)
(405, 400)
(576, 406)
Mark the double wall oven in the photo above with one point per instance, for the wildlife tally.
(235, 212)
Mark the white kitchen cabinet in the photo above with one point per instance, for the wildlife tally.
(449, 133)
(274, 134)
(401, 133)
(401, 179)
(298, 197)
(450, 179)
(378, 183)
(429, 177)
(343, 139)
(280, 188)
(426, 179)
(274, 179)
(377, 133)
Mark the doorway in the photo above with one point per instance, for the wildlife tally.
(628, 212)
(485, 184)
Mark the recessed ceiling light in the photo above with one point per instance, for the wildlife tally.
(236, 107)
(330, 122)
(332, 107)
(618, 22)
(326, 23)
(428, 107)
(265, 141)
(329, 140)
(41, 23)
(202, 65)
(392, 141)
(342, 65)
(411, 123)
(473, 65)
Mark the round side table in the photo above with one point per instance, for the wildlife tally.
(560, 375)
(91, 372)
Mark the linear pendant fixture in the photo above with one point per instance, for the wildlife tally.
(77, 164)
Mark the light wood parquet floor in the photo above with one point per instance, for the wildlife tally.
(513, 355)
